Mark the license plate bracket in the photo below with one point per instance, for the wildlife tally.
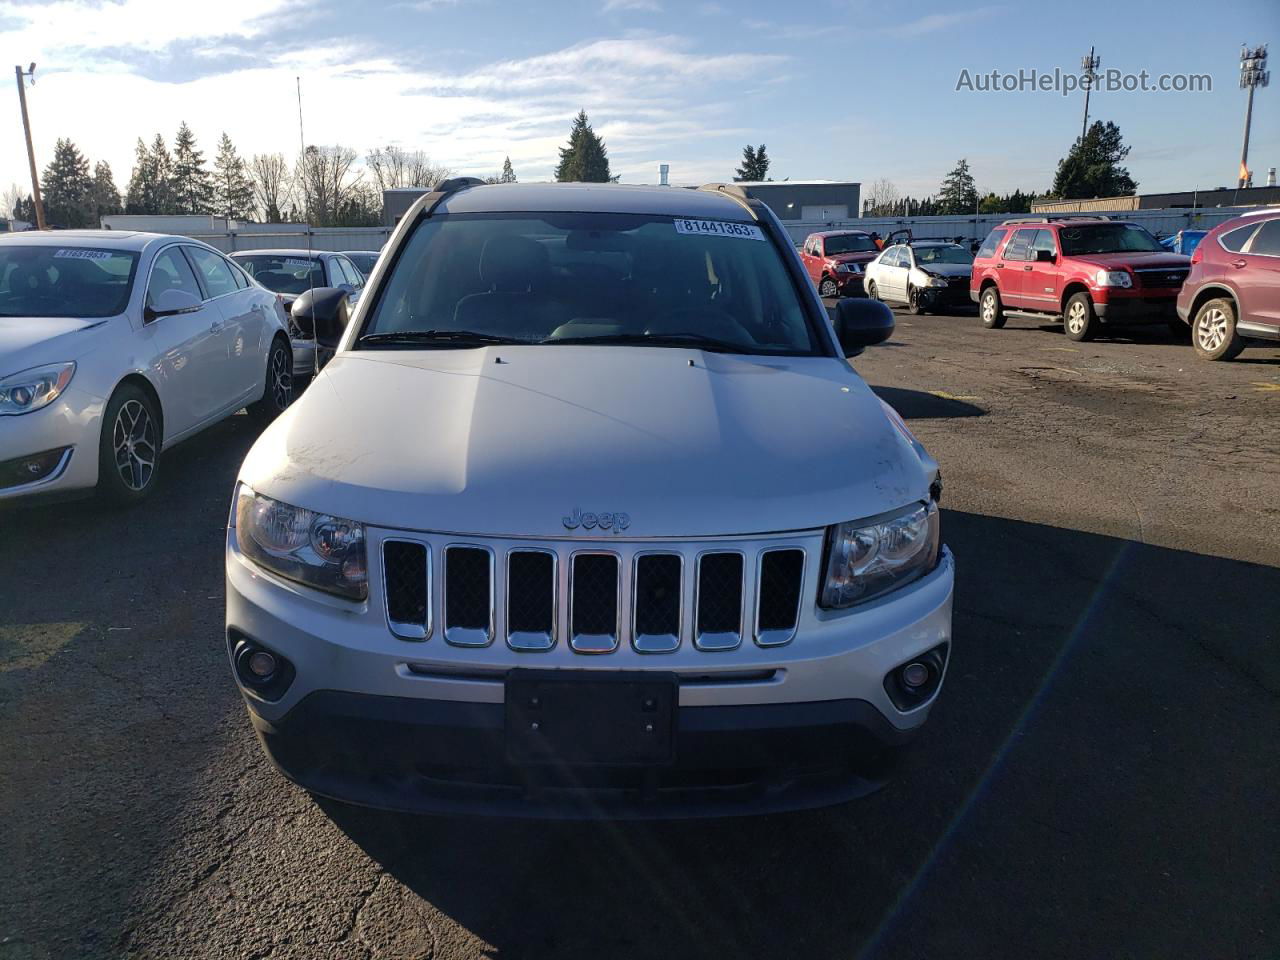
(579, 717)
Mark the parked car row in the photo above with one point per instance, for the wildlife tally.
(1088, 273)
(114, 346)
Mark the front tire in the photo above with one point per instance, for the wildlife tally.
(129, 447)
(1079, 319)
(828, 288)
(278, 391)
(871, 290)
(913, 301)
(1213, 333)
(990, 310)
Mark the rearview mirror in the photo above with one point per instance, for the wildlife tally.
(322, 313)
(861, 323)
(1045, 256)
(169, 302)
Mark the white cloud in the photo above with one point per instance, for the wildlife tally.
(934, 22)
(642, 6)
(653, 97)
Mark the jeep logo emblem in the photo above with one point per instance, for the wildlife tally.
(589, 521)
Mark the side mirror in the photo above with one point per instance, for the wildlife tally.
(347, 288)
(322, 314)
(1045, 256)
(862, 323)
(170, 302)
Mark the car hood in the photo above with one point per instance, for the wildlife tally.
(27, 342)
(1139, 261)
(506, 441)
(949, 269)
(865, 257)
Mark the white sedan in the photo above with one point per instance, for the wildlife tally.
(115, 346)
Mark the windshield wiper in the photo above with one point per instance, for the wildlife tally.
(658, 340)
(459, 338)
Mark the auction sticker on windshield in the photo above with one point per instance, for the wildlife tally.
(81, 254)
(718, 228)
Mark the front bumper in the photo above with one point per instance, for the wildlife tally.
(1136, 307)
(382, 722)
(952, 295)
(850, 284)
(72, 422)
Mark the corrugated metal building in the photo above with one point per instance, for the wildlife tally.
(1184, 199)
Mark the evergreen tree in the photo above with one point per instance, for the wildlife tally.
(585, 159)
(68, 200)
(958, 193)
(1092, 168)
(105, 198)
(508, 172)
(755, 165)
(192, 187)
(163, 199)
(138, 197)
(232, 186)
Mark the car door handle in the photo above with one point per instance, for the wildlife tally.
(1239, 263)
(999, 266)
(1028, 267)
(216, 326)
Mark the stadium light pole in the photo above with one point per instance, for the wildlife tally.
(1253, 74)
(22, 76)
(1089, 71)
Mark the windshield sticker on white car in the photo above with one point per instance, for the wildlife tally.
(79, 254)
(718, 228)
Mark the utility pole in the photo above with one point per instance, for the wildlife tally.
(1253, 74)
(31, 153)
(1089, 68)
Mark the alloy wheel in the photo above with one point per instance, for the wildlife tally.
(133, 439)
(1211, 329)
(281, 379)
(1076, 317)
(988, 307)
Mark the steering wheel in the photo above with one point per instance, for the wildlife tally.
(708, 320)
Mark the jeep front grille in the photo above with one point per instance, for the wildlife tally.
(598, 596)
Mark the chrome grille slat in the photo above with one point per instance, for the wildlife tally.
(719, 602)
(656, 608)
(595, 602)
(406, 588)
(532, 588)
(467, 590)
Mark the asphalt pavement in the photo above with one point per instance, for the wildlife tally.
(1099, 779)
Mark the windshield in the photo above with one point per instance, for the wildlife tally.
(1107, 238)
(47, 281)
(848, 243)
(566, 277)
(928, 255)
(284, 273)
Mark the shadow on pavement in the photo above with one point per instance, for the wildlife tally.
(1098, 779)
(918, 405)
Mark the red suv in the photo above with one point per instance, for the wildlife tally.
(1233, 293)
(1085, 272)
(836, 259)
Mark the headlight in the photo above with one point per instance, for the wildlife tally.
(849, 268)
(937, 281)
(1112, 278)
(34, 388)
(867, 560)
(312, 548)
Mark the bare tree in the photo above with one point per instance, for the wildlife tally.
(881, 196)
(272, 185)
(394, 167)
(328, 185)
(10, 199)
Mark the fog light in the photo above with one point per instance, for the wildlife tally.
(913, 675)
(262, 664)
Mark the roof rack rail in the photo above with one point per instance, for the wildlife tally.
(1057, 217)
(736, 193)
(446, 187)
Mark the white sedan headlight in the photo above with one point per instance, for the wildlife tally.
(937, 281)
(867, 559)
(34, 388)
(315, 549)
(1112, 278)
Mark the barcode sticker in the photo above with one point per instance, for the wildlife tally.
(81, 254)
(719, 228)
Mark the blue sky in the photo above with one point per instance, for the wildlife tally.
(840, 89)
